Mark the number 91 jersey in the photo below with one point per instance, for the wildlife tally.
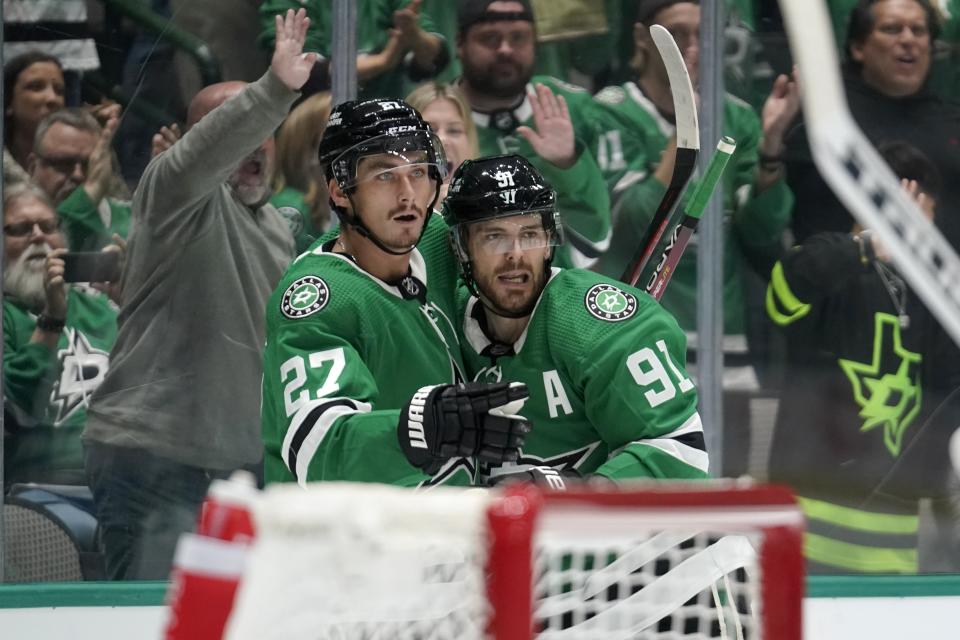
(608, 392)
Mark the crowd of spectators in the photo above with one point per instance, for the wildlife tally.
(161, 369)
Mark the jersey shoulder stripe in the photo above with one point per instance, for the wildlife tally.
(613, 95)
(560, 85)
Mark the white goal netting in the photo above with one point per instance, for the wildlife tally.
(374, 562)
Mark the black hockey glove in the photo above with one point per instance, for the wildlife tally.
(472, 419)
(546, 477)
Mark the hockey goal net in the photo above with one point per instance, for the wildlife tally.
(364, 561)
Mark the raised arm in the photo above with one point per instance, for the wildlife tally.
(196, 165)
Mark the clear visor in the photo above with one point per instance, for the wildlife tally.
(504, 235)
(370, 170)
(388, 157)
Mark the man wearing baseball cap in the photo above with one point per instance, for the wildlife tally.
(538, 117)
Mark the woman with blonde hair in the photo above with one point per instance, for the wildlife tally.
(298, 184)
(445, 108)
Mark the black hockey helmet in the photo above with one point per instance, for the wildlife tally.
(360, 128)
(498, 187)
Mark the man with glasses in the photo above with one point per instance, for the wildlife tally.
(57, 339)
(604, 363)
(72, 163)
(362, 367)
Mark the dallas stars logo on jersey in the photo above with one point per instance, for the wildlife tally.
(887, 388)
(610, 303)
(82, 369)
(304, 297)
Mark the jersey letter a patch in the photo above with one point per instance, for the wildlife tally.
(304, 297)
(610, 303)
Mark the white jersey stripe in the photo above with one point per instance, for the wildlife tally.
(685, 453)
(308, 448)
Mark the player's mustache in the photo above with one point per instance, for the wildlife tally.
(517, 266)
(396, 211)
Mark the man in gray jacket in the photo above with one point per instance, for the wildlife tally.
(180, 404)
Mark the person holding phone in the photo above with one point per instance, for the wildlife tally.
(57, 340)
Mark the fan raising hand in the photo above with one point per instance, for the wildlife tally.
(552, 135)
(289, 62)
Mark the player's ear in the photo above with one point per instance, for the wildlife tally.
(336, 194)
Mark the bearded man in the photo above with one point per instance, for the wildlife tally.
(57, 339)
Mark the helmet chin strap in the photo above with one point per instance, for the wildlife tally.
(356, 223)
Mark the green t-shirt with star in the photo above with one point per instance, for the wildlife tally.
(345, 352)
(605, 367)
(48, 392)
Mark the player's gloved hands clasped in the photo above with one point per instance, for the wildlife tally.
(546, 477)
(472, 419)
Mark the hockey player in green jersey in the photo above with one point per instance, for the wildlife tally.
(362, 368)
(603, 361)
(57, 340)
(539, 117)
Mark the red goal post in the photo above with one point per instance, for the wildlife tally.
(652, 561)
(770, 513)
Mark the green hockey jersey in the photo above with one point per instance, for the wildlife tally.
(345, 351)
(89, 226)
(290, 203)
(605, 367)
(47, 392)
(581, 198)
(629, 135)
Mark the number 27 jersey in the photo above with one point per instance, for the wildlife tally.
(345, 351)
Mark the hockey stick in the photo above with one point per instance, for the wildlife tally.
(859, 177)
(688, 146)
(691, 217)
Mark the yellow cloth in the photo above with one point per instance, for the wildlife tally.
(568, 19)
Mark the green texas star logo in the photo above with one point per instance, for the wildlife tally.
(304, 297)
(607, 302)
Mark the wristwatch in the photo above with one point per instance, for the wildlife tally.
(49, 323)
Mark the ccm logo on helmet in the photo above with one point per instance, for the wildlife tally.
(402, 129)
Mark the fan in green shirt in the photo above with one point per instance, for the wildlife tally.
(392, 36)
(72, 163)
(539, 117)
(57, 340)
(634, 140)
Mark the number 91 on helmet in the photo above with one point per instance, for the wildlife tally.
(508, 189)
(501, 206)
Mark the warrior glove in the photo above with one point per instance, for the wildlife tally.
(473, 419)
